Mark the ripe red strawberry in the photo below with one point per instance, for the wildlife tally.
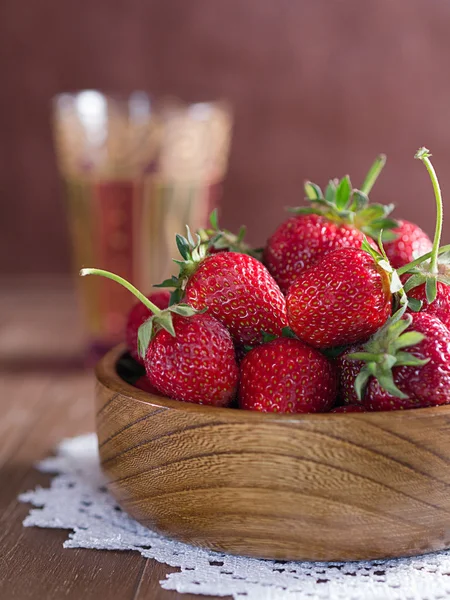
(401, 379)
(301, 242)
(234, 288)
(137, 315)
(197, 365)
(287, 376)
(188, 356)
(338, 218)
(342, 300)
(349, 408)
(411, 242)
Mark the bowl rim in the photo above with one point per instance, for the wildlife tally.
(106, 374)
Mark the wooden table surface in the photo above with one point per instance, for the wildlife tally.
(46, 395)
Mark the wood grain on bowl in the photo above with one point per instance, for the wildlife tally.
(306, 487)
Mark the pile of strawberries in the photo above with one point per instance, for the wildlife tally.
(345, 309)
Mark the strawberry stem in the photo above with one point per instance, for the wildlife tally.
(152, 307)
(423, 154)
(421, 259)
(373, 173)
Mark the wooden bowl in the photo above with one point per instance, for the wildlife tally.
(306, 487)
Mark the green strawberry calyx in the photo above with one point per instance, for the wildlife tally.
(193, 252)
(437, 268)
(343, 204)
(385, 350)
(395, 284)
(194, 249)
(286, 332)
(222, 239)
(380, 257)
(160, 319)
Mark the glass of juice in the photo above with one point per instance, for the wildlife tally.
(135, 171)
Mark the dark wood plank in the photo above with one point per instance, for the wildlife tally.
(44, 397)
(42, 568)
(33, 564)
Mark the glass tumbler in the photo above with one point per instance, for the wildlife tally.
(135, 172)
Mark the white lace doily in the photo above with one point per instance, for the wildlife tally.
(78, 500)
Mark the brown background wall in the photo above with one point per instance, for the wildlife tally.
(319, 88)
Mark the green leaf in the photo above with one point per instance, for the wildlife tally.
(184, 310)
(397, 316)
(330, 192)
(388, 236)
(268, 337)
(408, 359)
(361, 383)
(414, 281)
(386, 223)
(333, 352)
(214, 219)
(313, 191)
(388, 361)
(164, 320)
(410, 338)
(176, 296)
(368, 248)
(359, 201)
(414, 304)
(287, 332)
(343, 192)
(172, 282)
(241, 233)
(431, 289)
(190, 239)
(364, 356)
(145, 333)
(396, 284)
(386, 381)
(302, 210)
(370, 213)
(183, 246)
(444, 258)
(398, 327)
(444, 278)
(384, 264)
(388, 208)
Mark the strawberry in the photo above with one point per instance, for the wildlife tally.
(137, 315)
(234, 288)
(349, 408)
(342, 300)
(411, 242)
(336, 219)
(197, 365)
(187, 356)
(384, 376)
(285, 375)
